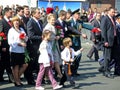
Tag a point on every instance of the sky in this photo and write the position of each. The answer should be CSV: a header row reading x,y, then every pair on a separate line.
x,y
72,5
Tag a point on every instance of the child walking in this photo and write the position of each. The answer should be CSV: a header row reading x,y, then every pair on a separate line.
x,y
67,56
46,62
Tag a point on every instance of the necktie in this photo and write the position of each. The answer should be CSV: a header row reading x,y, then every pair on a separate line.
x,y
39,25
114,26
61,23
9,22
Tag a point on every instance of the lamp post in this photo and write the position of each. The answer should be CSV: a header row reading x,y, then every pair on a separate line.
x,y
36,3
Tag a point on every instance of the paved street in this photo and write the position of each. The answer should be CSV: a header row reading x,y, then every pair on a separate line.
x,y
89,79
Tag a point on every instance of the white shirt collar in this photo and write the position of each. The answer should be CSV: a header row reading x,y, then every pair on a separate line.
x,y
19,16
60,20
6,18
35,19
109,16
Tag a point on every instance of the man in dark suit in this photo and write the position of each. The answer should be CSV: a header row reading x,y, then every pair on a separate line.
x,y
5,25
96,38
34,30
20,14
61,23
109,39
26,16
117,57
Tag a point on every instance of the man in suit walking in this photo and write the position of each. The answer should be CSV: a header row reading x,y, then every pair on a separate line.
x,y
5,25
117,57
109,39
34,31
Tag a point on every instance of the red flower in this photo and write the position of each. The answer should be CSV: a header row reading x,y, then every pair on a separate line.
x,y
3,36
60,31
95,30
22,36
58,27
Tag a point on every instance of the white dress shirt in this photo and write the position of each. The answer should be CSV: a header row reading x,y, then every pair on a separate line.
x,y
66,56
13,40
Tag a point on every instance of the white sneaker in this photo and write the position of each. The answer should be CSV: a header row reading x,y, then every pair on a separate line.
x,y
39,88
58,87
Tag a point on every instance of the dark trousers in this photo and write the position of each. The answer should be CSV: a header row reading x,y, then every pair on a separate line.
x,y
107,59
33,66
116,54
66,76
5,65
109,54
94,51
117,61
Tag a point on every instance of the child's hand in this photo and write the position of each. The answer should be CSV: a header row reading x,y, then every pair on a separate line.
x,y
81,49
84,36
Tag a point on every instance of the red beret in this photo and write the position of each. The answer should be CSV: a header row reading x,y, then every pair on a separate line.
x,y
49,10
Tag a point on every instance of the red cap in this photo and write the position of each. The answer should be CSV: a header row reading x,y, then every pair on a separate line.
x,y
49,10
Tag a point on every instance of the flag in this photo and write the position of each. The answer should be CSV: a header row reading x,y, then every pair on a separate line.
x,y
64,7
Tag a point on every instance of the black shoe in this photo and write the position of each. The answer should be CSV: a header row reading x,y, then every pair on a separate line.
x,y
47,82
76,74
31,83
43,82
96,59
108,75
72,83
89,57
116,74
62,85
20,85
100,69
2,80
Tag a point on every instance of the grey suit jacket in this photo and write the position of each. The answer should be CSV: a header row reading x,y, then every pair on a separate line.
x,y
107,30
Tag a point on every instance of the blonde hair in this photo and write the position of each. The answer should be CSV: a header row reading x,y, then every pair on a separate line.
x,y
49,16
15,18
46,33
66,41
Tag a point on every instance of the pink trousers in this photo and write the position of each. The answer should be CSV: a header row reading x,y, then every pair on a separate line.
x,y
47,71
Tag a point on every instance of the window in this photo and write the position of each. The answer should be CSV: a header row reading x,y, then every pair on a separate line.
x,y
99,3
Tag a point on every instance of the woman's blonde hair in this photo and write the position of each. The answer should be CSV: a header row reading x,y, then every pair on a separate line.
x,y
66,41
49,16
15,18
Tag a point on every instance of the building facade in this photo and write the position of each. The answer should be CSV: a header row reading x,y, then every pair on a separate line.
x,y
101,4
117,5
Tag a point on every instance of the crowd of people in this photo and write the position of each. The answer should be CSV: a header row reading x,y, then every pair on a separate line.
x,y
38,41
